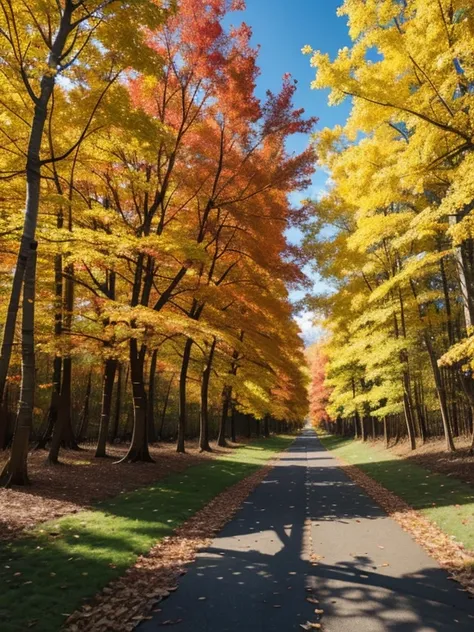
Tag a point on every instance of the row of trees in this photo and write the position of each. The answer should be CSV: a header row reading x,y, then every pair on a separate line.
x,y
156,188
393,237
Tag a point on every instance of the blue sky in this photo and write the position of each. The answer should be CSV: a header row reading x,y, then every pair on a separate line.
x,y
282,28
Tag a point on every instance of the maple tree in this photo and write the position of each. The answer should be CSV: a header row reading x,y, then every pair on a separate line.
x,y
157,198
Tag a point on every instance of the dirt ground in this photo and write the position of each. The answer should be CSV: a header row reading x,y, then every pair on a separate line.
x,y
433,456
81,480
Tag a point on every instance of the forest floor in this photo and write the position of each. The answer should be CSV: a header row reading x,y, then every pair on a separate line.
x,y
433,456
82,480
56,567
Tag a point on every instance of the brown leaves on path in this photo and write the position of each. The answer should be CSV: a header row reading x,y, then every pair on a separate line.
x,y
447,552
134,596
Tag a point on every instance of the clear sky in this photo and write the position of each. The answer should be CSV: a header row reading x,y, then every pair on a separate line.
x,y
282,28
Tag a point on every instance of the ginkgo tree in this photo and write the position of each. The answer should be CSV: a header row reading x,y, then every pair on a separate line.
x,y
400,247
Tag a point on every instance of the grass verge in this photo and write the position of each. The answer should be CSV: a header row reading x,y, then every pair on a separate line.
x,y
54,567
445,501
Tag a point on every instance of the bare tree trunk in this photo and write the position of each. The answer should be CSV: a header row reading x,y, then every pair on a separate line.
x,y
204,413
385,432
408,410
165,406
441,394
53,406
68,439
226,395
464,277
266,430
420,415
58,327
110,367
84,420
363,434
138,450
4,420
16,470
232,423
151,398
471,449
118,405
180,447
397,429
63,433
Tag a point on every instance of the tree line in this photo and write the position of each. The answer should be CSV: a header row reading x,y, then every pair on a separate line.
x,y
144,202
392,237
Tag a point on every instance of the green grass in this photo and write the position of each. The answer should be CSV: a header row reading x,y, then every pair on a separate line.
x,y
49,572
445,501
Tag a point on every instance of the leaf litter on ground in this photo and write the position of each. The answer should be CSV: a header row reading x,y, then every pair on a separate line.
x,y
154,576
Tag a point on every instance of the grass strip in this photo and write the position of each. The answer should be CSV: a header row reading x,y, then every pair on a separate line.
x,y
445,501
47,573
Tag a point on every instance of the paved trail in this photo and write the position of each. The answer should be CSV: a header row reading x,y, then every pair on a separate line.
x,y
254,576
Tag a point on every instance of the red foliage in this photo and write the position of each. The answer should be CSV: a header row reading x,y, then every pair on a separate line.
x,y
319,392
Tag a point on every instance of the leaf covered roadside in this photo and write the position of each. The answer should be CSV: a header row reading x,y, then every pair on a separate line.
x,y
450,554
82,481
154,576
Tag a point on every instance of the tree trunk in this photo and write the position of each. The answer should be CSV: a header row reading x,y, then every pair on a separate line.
x,y
58,327
356,425
471,449
233,438
4,420
53,406
385,432
180,446
12,312
420,415
16,470
63,433
397,429
204,413
84,420
266,430
465,281
151,398
138,450
226,395
165,407
110,367
33,180
362,428
408,410
118,405
441,394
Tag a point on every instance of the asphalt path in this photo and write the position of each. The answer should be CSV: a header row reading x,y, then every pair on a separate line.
x,y
309,531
